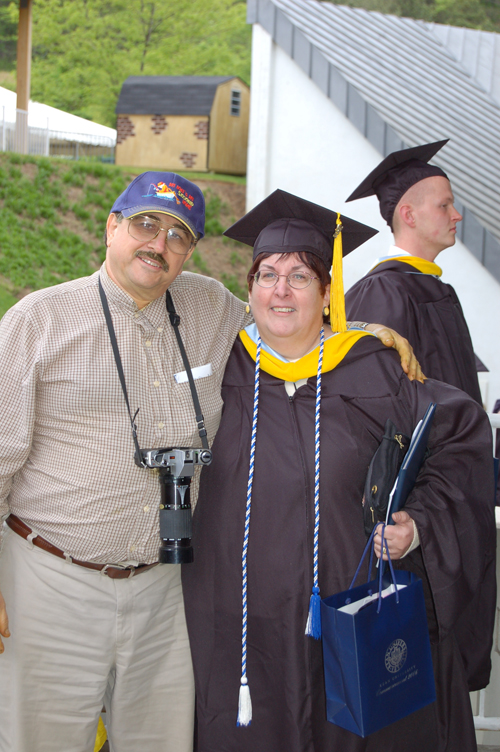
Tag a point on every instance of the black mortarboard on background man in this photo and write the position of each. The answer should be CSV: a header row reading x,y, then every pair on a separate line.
x,y
284,223
396,174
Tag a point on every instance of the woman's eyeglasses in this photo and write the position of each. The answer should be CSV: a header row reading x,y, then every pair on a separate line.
x,y
297,280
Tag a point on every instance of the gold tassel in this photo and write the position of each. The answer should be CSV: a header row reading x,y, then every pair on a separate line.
x,y
337,301
101,736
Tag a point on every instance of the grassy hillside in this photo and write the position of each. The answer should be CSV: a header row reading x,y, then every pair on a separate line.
x,y
53,214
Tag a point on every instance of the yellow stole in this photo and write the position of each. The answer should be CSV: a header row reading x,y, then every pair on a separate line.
x,y
426,267
335,350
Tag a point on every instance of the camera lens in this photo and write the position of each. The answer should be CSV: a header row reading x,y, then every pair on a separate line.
x,y
175,521
176,551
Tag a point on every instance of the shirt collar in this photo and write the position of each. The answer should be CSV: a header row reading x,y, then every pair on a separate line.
x,y
155,312
253,333
394,250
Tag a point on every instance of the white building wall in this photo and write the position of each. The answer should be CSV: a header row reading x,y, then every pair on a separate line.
x,y
299,141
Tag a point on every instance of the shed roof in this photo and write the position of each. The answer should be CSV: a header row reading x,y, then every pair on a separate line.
x,y
169,95
401,85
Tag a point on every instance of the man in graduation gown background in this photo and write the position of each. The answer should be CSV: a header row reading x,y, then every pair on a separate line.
x,y
404,290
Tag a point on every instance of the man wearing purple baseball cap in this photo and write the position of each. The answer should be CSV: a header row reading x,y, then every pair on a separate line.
x,y
120,366
93,617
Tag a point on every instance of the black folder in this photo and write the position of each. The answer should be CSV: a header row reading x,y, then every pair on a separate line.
x,y
411,464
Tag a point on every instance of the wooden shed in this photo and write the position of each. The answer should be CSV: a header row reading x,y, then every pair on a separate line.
x,y
197,123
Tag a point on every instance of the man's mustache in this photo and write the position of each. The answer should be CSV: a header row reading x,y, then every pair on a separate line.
x,y
154,257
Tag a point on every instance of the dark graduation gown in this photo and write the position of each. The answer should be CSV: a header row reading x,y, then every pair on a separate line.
x,y
452,505
424,310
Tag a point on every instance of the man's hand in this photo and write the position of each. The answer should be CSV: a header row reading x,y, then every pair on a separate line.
x,y
4,622
397,538
390,338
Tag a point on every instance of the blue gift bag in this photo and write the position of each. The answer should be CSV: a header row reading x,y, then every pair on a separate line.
x,y
376,652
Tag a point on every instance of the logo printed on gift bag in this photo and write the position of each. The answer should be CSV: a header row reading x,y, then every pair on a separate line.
x,y
395,656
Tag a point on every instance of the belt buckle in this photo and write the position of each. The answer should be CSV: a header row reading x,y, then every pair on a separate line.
x,y
104,570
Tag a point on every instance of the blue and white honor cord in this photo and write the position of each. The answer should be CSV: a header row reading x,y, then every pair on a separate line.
x,y
313,625
314,619
245,701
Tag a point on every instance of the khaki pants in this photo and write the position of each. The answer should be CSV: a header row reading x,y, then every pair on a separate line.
x,y
79,639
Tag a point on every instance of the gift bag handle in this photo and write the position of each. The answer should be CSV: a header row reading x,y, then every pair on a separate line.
x,y
370,545
381,571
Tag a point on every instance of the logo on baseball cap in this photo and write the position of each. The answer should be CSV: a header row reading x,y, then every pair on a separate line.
x,y
164,193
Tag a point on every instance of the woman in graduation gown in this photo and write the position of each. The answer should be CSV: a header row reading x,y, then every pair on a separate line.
x,y
446,534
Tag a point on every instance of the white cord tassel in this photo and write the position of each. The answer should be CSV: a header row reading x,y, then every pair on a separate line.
x,y
244,704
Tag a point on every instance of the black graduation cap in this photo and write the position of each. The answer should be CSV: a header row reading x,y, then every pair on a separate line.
x,y
396,174
284,223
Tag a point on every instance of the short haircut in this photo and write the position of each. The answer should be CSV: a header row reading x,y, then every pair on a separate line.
x,y
119,216
415,195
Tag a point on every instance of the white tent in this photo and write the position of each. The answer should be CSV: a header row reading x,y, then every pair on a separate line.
x,y
67,126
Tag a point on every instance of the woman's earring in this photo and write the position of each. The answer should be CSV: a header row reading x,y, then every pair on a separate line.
x,y
247,308
326,311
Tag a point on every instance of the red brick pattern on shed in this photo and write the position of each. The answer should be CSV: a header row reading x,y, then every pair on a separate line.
x,y
201,130
124,128
188,159
159,123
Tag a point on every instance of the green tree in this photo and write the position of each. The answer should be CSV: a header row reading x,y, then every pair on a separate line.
x,y
471,13
8,34
83,50
475,14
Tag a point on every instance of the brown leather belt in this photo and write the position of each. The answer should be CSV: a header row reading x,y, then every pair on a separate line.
x,y
116,573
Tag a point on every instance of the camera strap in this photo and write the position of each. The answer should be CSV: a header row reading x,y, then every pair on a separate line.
x,y
175,321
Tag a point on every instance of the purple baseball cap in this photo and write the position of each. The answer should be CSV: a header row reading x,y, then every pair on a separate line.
x,y
164,193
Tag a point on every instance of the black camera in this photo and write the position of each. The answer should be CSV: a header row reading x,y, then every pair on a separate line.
x,y
176,469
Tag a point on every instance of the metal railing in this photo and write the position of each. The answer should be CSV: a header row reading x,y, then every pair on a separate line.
x,y
483,722
495,421
24,139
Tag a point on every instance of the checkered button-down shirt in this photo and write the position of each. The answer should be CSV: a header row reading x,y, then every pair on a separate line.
x,y
66,448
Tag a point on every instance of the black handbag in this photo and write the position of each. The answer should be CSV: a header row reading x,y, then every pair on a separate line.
x,y
382,473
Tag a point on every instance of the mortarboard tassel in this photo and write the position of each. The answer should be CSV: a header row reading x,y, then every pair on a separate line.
x,y
337,301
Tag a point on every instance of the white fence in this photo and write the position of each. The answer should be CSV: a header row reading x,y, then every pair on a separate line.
x,y
25,139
